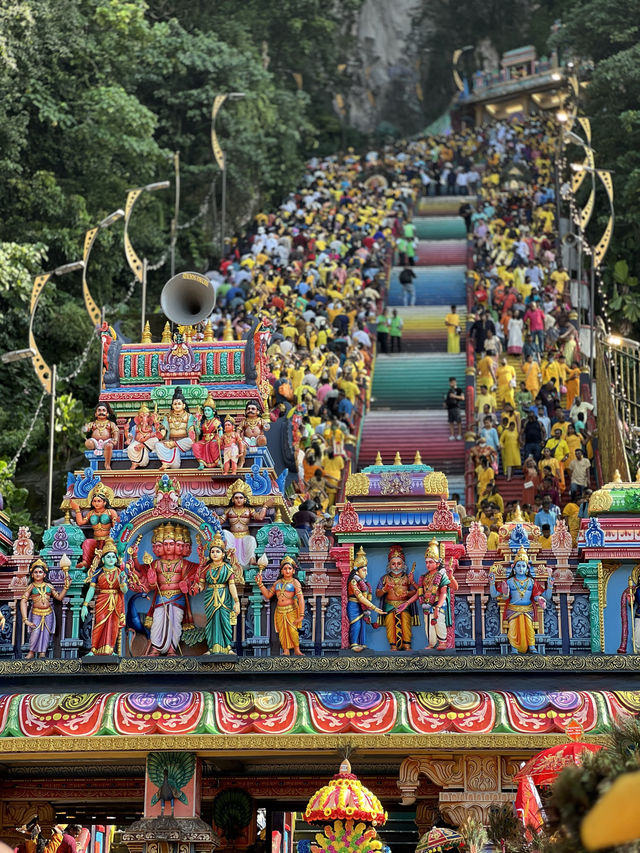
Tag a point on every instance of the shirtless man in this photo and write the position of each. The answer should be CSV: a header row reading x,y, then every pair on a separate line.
x,y
102,433
251,430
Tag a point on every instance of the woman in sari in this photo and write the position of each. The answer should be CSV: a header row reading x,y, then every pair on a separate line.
x,y
221,602
41,620
290,605
108,585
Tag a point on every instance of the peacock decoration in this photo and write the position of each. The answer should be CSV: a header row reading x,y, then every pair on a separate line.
x,y
232,812
170,772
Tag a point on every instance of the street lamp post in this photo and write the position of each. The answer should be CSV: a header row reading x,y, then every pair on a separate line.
x,y
138,266
46,375
176,212
221,158
93,311
605,177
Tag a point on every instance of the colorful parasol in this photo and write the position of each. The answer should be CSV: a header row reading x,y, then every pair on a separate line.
x,y
345,798
439,839
544,767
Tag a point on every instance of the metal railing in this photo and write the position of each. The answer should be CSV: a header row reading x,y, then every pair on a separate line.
x,y
618,394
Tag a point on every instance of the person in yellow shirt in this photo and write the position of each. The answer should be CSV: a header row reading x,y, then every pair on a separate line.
x,y
560,451
487,371
573,442
506,377
544,540
570,512
493,538
572,383
485,475
551,370
452,323
485,398
560,277
531,370
332,466
350,389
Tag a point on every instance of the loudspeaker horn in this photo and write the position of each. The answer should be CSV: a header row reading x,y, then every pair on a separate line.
x,y
188,298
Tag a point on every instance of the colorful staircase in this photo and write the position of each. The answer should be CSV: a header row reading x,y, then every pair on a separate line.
x,y
407,412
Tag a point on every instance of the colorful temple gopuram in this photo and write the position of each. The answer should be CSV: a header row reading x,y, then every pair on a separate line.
x,y
268,568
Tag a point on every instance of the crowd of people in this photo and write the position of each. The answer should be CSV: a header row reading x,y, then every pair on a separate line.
x,y
317,267
530,418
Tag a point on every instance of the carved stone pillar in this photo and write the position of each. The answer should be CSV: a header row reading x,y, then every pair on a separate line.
x,y
343,556
470,784
590,573
483,779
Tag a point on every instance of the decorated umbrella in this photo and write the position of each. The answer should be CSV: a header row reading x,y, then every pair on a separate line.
x,y
439,839
351,812
544,767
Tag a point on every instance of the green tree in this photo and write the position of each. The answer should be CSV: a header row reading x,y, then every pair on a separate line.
x,y
604,31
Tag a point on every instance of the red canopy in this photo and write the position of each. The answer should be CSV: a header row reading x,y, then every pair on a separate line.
x,y
546,765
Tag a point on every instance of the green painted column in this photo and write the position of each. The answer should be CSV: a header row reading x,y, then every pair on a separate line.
x,y
589,573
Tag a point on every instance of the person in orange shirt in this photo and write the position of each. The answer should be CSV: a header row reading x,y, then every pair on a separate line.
x,y
573,383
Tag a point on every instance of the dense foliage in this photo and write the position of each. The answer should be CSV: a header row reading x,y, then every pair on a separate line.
x,y
607,32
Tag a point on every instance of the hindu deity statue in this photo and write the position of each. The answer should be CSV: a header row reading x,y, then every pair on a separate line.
x,y
251,431
359,604
207,449
101,516
630,613
434,594
179,429
41,620
395,588
107,588
221,602
142,438
289,610
523,597
238,516
232,446
170,577
102,433
180,358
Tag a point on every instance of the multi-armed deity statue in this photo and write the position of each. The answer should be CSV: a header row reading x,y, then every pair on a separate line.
x,y
179,429
170,577
522,597
434,594
397,588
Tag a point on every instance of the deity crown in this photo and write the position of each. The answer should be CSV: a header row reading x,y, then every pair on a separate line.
x,y
218,542
432,552
360,560
109,547
521,555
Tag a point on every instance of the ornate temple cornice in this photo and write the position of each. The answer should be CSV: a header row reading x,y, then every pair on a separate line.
x,y
329,667
216,744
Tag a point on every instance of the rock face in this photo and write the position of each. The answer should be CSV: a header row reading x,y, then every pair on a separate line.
x,y
384,66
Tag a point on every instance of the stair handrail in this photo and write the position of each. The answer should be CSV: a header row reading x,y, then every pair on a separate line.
x,y
618,363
